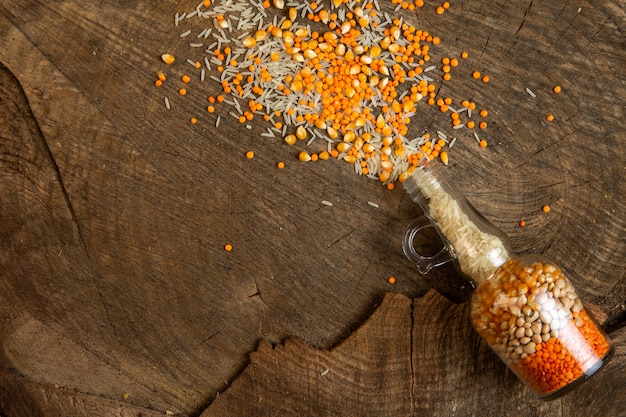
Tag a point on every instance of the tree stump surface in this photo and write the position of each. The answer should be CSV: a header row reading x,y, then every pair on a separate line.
x,y
411,357
118,298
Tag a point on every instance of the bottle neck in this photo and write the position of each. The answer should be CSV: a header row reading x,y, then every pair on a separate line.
x,y
480,248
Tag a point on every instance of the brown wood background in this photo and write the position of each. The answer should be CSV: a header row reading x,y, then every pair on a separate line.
x,y
117,298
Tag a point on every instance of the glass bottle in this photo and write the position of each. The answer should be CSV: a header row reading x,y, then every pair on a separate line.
x,y
523,306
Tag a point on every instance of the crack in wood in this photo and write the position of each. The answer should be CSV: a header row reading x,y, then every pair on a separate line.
x,y
343,237
530,4
412,356
206,339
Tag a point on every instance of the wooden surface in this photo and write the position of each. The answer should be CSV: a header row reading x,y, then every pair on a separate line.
x,y
411,357
117,297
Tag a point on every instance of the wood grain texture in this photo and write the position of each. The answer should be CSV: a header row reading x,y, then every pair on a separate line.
x,y
411,357
115,211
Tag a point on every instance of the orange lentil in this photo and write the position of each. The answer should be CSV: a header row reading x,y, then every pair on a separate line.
x,y
555,364
549,117
228,247
485,78
158,83
185,78
193,120
546,208
482,125
280,165
483,143
557,89
522,223
440,10
483,113
464,55
391,280
182,92
250,154
476,75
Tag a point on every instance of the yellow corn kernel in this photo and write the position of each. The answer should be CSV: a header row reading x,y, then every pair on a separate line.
x,y
260,35
290,139
387,130
301,132
320,123
349,137
368,148
444,157
324,16
343,147
168,58
249,42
